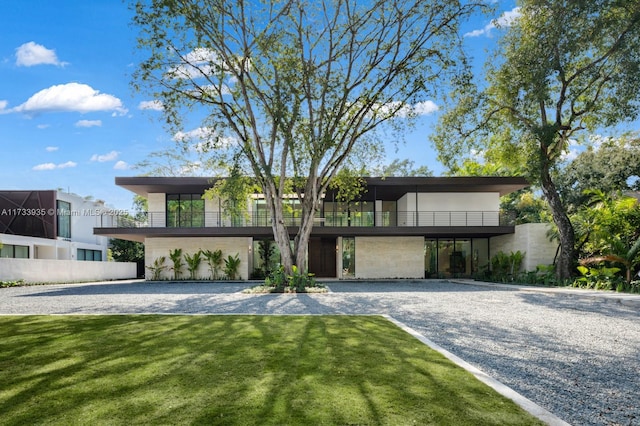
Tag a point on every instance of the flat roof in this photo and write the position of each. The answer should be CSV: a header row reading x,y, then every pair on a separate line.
x,y
390,188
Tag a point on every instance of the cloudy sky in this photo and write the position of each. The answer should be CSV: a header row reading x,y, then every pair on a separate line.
x,y
69,118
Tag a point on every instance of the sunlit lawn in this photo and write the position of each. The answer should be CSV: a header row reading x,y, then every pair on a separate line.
x,y
233,370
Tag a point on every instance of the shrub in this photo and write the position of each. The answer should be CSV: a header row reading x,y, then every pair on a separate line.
x,y
157,267
231,265
176,258
193,263
214,260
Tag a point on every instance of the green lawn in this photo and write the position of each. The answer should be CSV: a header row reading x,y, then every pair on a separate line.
x,y
233,370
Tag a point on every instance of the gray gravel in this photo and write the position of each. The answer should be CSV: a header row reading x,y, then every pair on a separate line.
x,y
576,356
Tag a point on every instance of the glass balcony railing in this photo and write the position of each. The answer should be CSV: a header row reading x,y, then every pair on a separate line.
x,y
329,219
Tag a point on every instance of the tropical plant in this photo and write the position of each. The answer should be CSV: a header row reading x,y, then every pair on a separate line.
x,y
506,266
214,260
267,252
176,257
157,267
193,263
298,281
231,265
599,278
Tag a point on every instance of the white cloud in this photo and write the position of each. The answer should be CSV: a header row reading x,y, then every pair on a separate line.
x,y
505,20
31,53
201,133
3,105
573,149
89,123
406,110
154,105
70,97
67,164
121,165
52,166
111,156
43,126
52,148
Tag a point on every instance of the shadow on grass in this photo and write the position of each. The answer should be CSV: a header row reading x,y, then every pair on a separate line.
x,y
233,370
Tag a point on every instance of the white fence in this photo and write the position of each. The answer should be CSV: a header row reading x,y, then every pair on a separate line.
x,y
50,271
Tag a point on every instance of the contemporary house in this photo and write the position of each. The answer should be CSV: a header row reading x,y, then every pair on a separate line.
x,y
44,233
400,227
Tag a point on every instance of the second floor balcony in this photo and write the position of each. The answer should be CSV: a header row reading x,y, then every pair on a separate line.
x,y
328,219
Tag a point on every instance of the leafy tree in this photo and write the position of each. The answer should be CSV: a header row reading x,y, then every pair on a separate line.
x,y
562,67
608,164
294,89
126,251
401,168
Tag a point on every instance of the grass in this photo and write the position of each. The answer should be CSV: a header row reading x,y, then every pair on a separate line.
x,y
233,370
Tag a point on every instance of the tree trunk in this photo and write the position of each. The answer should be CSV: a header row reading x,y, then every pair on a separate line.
x,y
566,260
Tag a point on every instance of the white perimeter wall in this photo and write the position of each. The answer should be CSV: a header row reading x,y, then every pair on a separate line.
x,y
389,257
530,238
55,271
156,247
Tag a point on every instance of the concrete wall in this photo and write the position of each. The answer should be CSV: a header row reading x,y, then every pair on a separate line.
x,y
530,238
156,247
46,248
50,271
389,257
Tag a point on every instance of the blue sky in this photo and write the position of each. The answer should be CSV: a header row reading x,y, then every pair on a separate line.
x,y
69,118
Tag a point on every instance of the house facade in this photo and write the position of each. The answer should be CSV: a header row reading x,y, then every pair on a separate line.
x,y
44,233
408,227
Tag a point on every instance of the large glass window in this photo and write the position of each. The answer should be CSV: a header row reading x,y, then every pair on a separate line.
x,y
348,257
14,251
64,219
451,257
185,211
349,214
85,254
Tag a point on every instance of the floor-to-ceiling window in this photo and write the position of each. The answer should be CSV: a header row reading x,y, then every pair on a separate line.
x,y
451,257
348,257
185,211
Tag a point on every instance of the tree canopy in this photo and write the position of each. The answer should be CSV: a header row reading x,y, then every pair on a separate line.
x,y
561,68
295,89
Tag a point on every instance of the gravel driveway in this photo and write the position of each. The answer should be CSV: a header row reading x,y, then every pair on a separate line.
x,y
578,357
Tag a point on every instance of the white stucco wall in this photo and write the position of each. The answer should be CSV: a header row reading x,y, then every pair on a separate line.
x,y
156,203
449,209
529,238
156,247
60,249
57,271
389,257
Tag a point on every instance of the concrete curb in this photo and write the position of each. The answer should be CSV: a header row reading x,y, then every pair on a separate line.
x,y
528,405
621,298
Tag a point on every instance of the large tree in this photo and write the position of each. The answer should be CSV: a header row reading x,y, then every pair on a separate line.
x,y
289,89
562,67
608,164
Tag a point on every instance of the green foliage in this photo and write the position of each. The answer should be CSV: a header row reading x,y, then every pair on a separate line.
x,y
267,252
157,267
231,265
14,283
297,282
599,278
214,260
193,263
506,266
609,165
126,251
176,258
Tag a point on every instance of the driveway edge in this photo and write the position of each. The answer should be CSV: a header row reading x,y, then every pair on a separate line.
x,y
528,405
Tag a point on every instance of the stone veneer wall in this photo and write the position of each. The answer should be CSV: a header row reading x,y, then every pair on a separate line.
x,y
389,257
530,238
156,247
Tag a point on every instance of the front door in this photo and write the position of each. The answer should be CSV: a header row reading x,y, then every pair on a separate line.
x,y
322,257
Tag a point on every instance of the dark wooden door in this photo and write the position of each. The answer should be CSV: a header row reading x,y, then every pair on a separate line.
x,y
322,257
